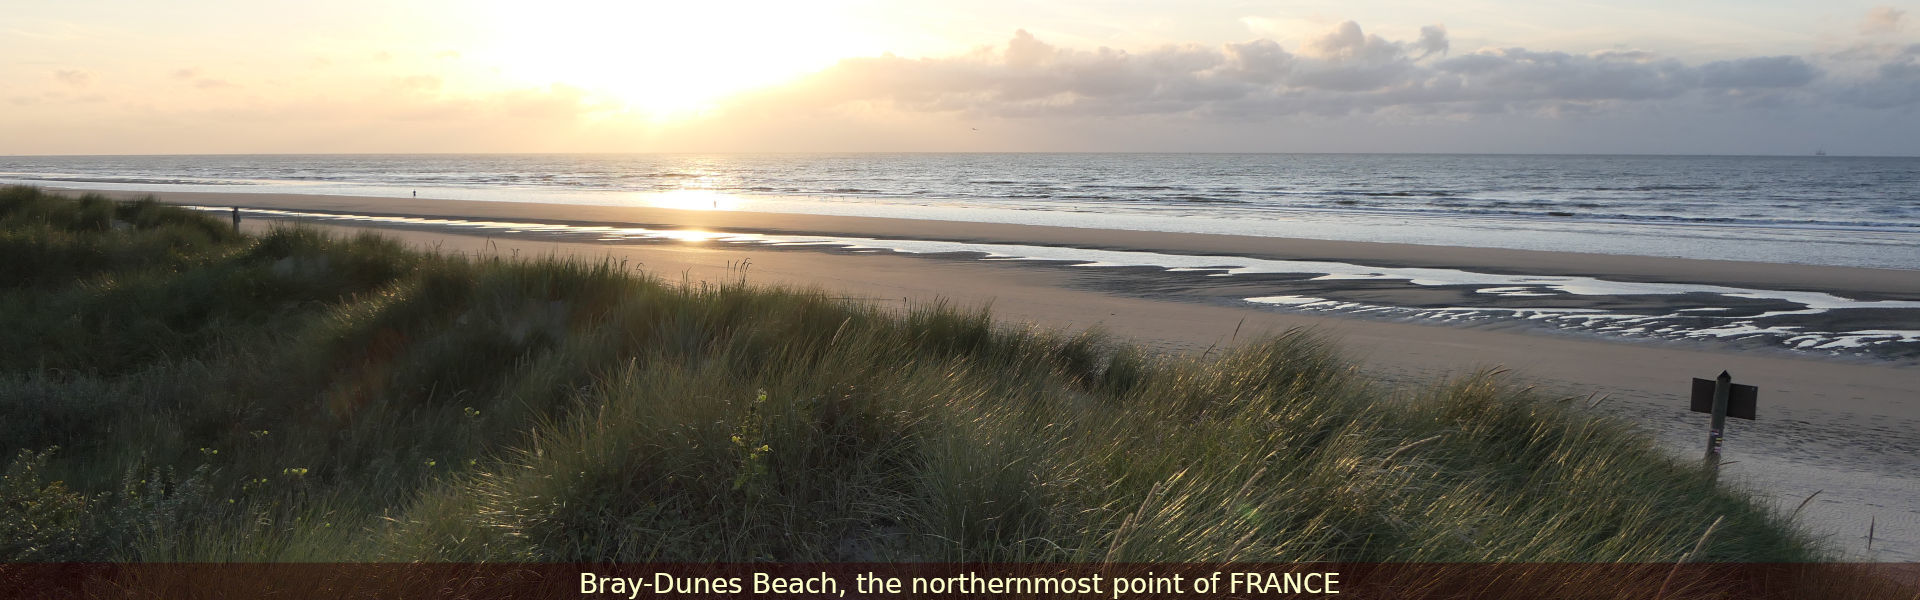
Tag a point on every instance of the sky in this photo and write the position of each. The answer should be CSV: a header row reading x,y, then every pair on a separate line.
x,y
1546,76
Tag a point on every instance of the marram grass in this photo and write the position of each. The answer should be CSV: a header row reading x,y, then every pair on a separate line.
x,y
173,391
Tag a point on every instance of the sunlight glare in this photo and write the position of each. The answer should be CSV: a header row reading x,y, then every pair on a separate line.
x,y
667,59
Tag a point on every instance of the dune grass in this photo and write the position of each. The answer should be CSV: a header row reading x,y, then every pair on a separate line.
x,y
173,391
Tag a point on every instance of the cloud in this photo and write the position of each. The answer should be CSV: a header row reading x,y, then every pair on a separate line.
x,y
1760,72
1894,84
419,83
1882,20
1344,71
555,103
1256,62
72,77
1433,40
1260,25
1347,43
195,76
1352,61
1518,74
1025,52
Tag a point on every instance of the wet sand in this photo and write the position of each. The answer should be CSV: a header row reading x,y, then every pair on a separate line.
x,y
1847,427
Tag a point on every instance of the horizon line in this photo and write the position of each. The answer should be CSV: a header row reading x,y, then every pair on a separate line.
x,y
933,152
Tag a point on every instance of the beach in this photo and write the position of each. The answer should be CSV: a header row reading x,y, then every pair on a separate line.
x,y
1839,425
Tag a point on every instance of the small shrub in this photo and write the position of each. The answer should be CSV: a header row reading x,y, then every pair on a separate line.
x,y
44,521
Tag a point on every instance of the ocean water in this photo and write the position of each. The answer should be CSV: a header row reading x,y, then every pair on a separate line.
x,y
1810,210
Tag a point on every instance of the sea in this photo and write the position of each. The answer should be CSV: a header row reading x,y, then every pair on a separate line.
x,y
1823,210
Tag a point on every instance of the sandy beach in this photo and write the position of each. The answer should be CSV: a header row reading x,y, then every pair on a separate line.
x,y
1843,427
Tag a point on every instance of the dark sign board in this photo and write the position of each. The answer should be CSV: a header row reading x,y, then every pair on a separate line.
x,y
1741,399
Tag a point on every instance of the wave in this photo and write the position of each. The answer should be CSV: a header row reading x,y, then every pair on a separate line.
x,y
139,180
1659,187
1498,209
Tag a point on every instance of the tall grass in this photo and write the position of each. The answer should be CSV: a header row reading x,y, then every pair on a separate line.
x,y
173,391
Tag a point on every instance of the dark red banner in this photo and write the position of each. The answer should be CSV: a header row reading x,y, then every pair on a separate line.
x,y
857,580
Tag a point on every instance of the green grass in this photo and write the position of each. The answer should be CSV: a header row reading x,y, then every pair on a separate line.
x,y
173,391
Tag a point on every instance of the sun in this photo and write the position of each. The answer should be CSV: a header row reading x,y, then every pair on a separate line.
x,y
666,60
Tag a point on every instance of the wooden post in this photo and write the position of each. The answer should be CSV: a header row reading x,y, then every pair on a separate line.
x,y
1717,431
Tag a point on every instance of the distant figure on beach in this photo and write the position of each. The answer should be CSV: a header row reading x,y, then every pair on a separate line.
x,y
416,193
236,218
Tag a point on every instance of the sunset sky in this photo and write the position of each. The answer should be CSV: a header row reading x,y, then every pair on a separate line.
x,y
113,77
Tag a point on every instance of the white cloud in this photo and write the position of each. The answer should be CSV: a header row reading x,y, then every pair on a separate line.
x,y
1347,43
1882,20
73,77
1345,71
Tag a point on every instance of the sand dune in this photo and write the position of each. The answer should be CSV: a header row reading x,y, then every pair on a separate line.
x,y
1843,426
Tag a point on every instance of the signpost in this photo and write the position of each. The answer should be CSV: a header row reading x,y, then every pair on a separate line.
x,y
1722,398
